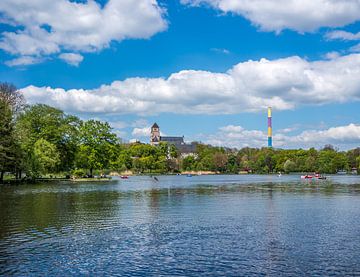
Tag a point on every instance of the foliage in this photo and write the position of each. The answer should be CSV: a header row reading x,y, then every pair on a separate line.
x,y
7,153
96,145
78,173
46,156
40,139
53,125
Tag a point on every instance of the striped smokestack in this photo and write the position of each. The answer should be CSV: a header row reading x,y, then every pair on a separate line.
x,y
269,128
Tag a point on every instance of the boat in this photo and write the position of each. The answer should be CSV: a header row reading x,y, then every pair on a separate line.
x,y
124,177
306,176
342,172
319,176
188,175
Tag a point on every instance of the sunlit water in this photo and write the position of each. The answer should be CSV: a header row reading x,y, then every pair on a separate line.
x,y
182,226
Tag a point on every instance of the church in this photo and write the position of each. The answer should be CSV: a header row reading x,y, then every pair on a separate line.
x,y
178,142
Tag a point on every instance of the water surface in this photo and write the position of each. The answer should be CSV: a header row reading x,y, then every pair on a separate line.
x,y
181,226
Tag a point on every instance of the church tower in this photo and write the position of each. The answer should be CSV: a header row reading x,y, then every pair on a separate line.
x,y
155,135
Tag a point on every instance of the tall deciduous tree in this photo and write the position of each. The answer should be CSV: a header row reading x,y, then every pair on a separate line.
x,y
54,126
46,155
6,138
11,103
10,95
96,145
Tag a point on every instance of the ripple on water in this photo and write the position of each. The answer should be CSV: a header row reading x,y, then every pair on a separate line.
x,y
161,229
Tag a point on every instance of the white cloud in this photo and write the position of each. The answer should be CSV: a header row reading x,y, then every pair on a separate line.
x,y
72,58
247,87
287,130
355,48
342,35
220,50
118,124
141,132
141,122
332,55
301,16
24,60
236,136
46,27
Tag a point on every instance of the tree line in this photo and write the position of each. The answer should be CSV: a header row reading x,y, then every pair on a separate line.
x,y
40,140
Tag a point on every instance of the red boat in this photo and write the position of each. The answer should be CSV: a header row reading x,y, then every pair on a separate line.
x,y
306,176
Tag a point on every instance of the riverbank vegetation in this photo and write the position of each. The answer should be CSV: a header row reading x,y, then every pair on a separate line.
x,y
40,140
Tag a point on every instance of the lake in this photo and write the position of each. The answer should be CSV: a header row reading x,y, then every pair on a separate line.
x,y
224,225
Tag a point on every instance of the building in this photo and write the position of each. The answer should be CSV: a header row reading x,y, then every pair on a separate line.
x,y
183,148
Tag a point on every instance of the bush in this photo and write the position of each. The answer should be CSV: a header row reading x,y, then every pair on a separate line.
x,y
78,173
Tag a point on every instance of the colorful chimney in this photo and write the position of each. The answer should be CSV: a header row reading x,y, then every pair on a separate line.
x,y
269,128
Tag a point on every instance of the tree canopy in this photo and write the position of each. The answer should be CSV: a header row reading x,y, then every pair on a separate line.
x,y
39,140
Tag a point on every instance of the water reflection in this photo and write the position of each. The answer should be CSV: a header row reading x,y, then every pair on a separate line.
x,y
219,226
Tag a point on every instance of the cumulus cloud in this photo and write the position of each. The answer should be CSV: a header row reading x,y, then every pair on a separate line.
x,y
247,87
71,58
141,132
287,130
345,137
345,36
332,55
277,15
342,35
46,27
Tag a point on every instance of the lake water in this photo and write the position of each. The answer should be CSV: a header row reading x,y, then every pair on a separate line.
x,y
182,226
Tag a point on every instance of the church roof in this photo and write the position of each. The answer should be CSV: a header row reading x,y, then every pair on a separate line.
x,y
155,126
172,139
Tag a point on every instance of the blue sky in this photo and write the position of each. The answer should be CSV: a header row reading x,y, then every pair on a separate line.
x,y
185,64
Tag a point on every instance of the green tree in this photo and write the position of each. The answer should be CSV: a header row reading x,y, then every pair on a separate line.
x,y
289,166
188,163
46,156
232,164
220,161
44,122
96,145
7,147
11,104
326,161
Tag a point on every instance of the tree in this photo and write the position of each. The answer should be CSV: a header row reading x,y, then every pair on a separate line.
x,y
11,96
358,164
46,156
96,145
188,163
11,103
122,162
220,161
232,164
326,161
54,126
289,166
7,148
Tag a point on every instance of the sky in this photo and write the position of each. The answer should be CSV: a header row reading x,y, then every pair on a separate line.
x,y
203,69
